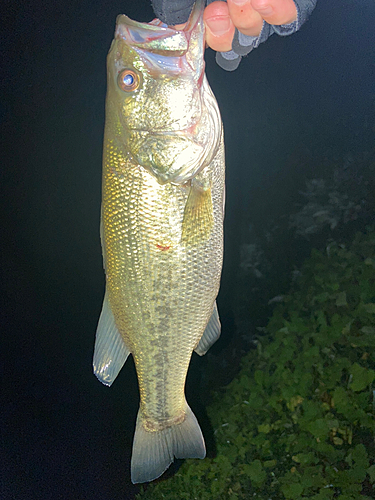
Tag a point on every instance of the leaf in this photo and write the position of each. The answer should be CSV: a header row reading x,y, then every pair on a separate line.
x,y
293,490
324,494
361,377
337,441
269,463
341,299
357,475
360,456
322,297
294,402
255,471
370,308
341,400
313,477
346,329
259,377
371,472
305,458
311,409
265,428
368,330
319,429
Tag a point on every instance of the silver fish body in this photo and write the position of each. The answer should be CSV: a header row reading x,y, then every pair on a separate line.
x,y
162,229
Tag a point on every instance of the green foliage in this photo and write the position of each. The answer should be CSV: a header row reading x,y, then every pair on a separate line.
x,y
298,420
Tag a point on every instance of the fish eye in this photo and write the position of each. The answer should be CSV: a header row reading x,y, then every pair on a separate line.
x,y
128,80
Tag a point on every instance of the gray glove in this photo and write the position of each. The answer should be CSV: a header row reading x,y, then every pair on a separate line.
x,y
177,12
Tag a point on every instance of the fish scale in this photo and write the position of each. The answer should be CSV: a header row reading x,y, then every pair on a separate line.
x,y
162,230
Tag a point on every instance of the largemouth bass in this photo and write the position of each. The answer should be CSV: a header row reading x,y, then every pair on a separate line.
x,y
162,229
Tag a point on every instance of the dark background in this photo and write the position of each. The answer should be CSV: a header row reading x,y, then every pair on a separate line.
x,y
63,434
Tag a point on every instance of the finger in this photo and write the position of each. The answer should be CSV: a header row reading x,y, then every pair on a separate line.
x,y
276,11
219,26
246,19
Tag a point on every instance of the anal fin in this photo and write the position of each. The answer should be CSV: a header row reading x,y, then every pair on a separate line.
x,y
211,333
110,351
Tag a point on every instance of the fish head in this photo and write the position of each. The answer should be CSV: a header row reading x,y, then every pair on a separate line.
x,y
161,110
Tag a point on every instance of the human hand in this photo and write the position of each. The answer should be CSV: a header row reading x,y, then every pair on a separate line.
x,y
221,19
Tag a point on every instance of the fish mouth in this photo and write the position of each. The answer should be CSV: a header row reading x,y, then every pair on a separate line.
x,y
155,40
140,33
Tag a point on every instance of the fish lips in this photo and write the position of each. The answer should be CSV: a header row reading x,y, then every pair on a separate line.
x,y
165,49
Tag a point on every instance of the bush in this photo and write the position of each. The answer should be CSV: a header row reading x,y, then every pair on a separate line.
x,y
298,420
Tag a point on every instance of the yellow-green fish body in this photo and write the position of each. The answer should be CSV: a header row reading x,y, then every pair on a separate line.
x,y
162,229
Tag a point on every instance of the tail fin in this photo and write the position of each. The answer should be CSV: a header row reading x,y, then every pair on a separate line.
x,y
153,452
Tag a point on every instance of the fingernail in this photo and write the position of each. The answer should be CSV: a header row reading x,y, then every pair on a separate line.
x,y
239,2
218,25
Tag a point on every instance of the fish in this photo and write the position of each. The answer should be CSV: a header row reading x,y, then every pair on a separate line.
x,y
161,230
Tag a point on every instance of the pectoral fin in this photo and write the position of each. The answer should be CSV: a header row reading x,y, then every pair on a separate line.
x,y
198,215
110,351
211,333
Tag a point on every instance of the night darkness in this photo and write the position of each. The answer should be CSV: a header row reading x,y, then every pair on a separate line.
x,y
292,102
